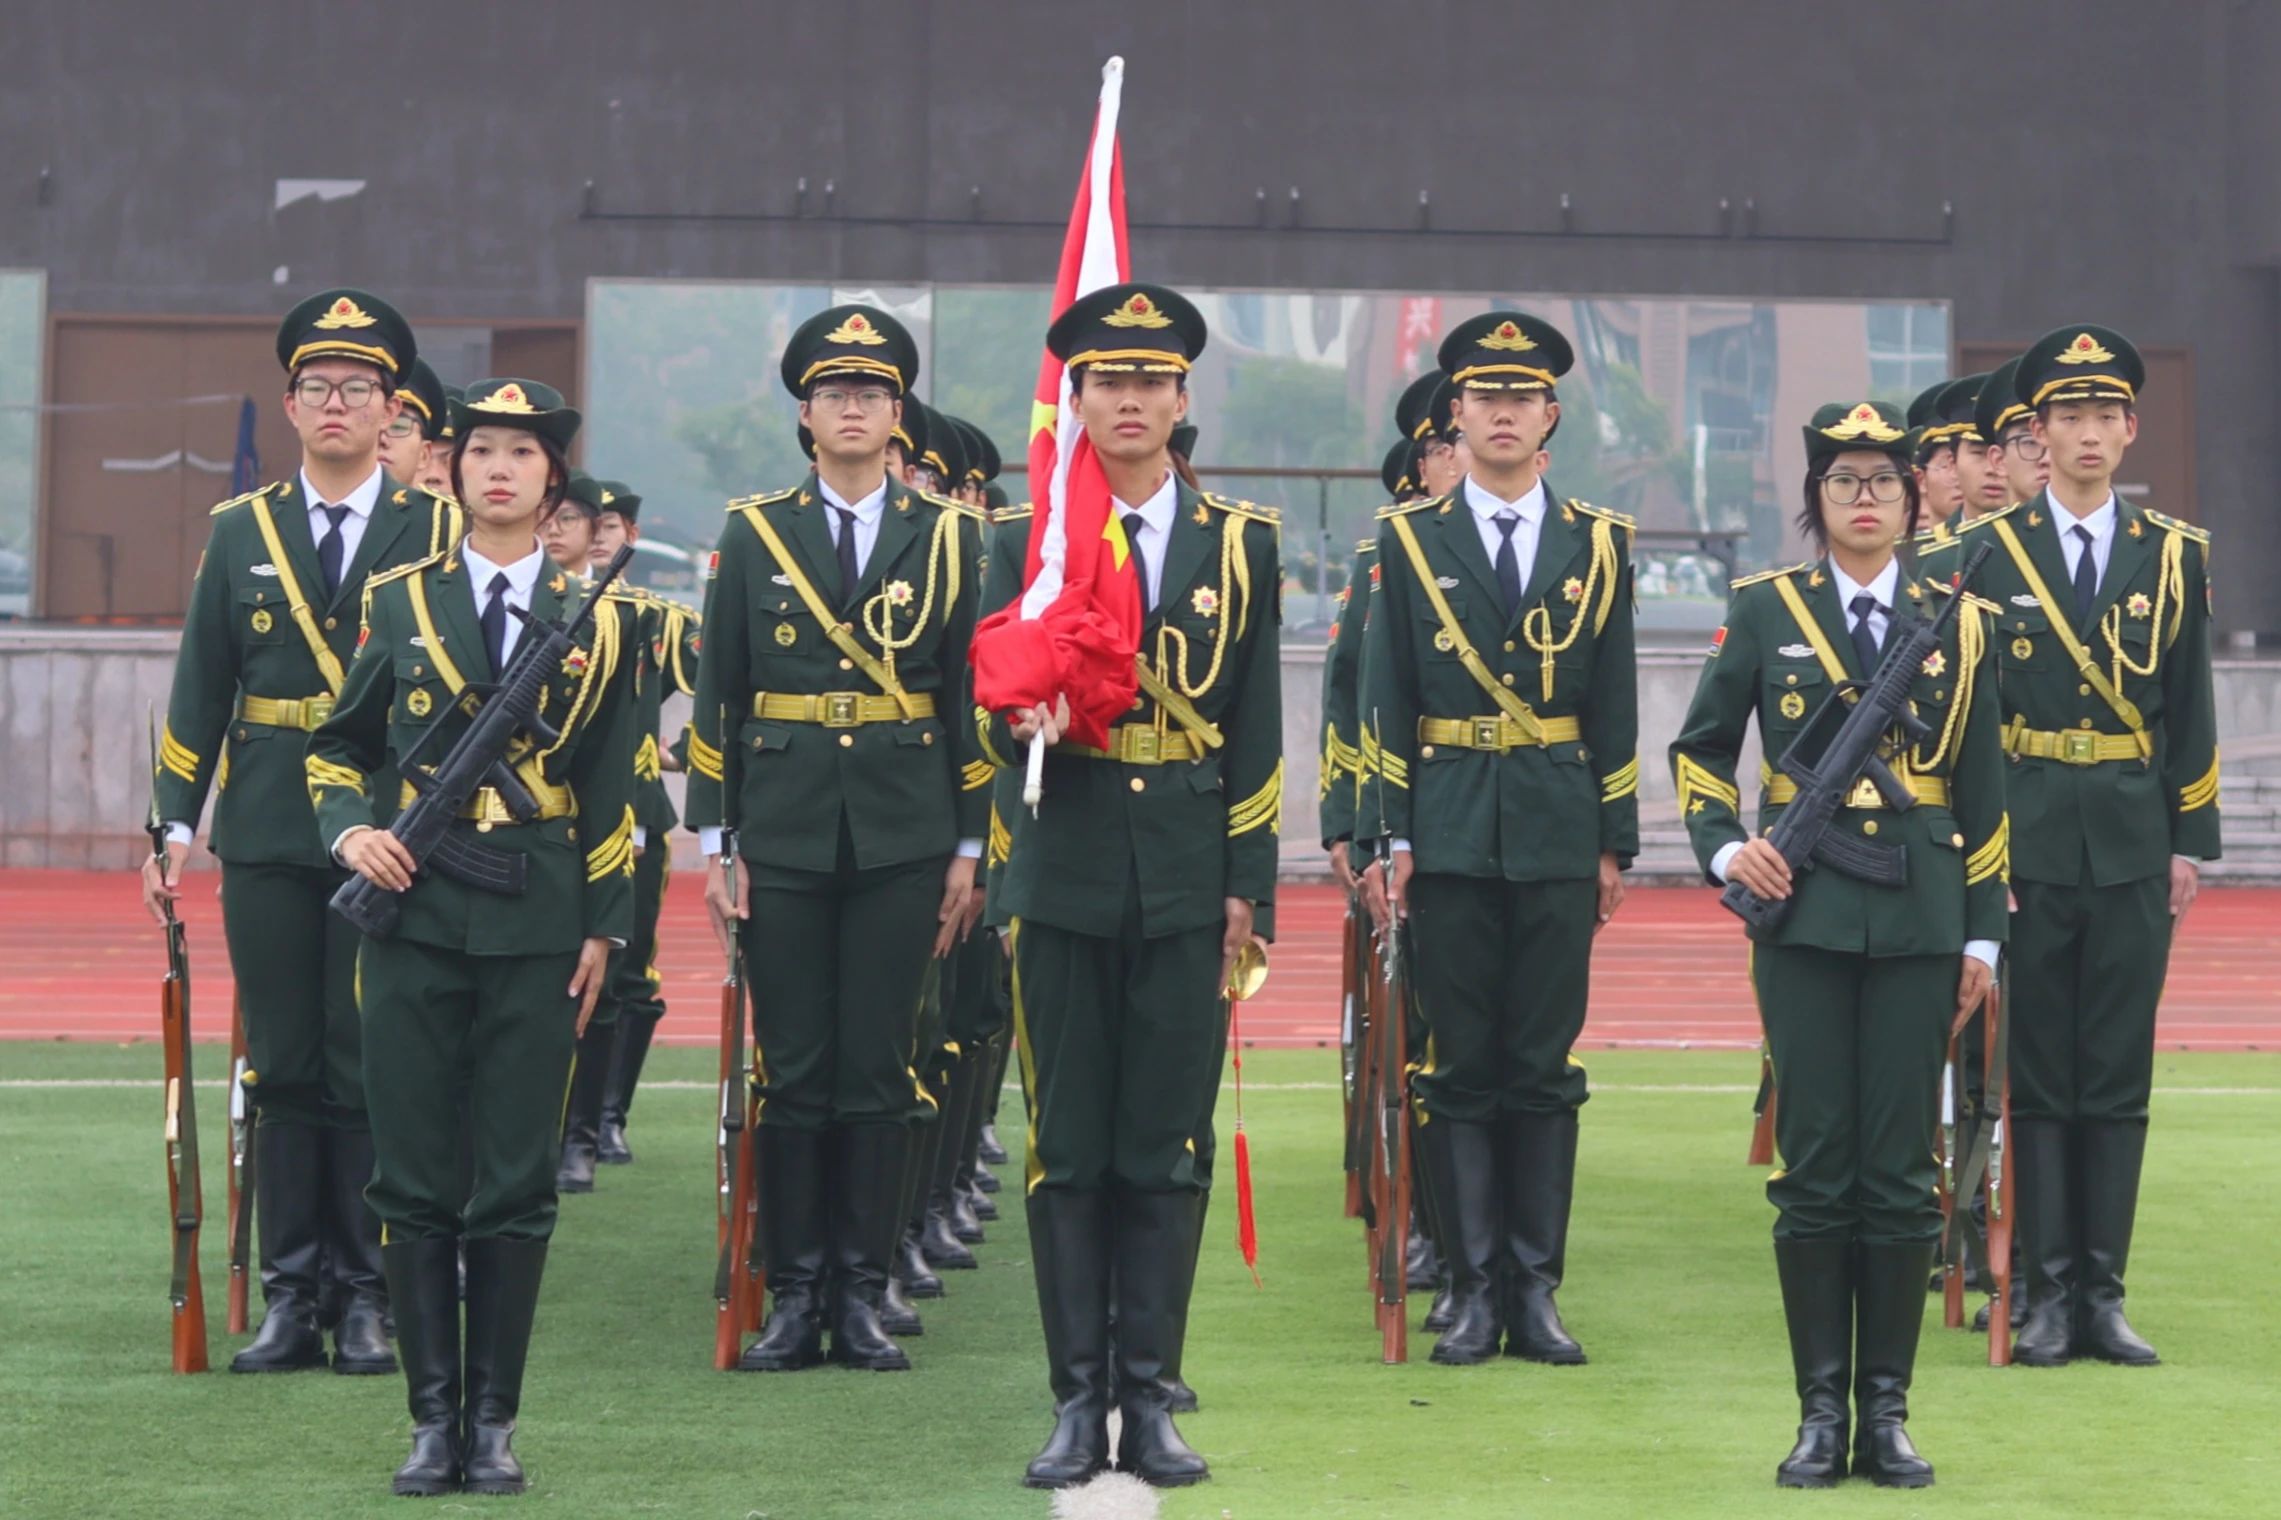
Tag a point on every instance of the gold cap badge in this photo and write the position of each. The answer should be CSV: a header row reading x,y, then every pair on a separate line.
x,y
1139,311
344,313
507,398
1507,338
1863,422
2084,350
856,329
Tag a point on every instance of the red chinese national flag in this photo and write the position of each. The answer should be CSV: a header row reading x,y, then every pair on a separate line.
x,y
1076,626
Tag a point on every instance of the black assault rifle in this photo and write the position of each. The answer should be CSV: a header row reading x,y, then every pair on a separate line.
x,y
1838,747
479,759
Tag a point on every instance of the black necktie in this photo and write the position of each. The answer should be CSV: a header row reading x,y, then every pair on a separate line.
x,y
846,549
2086,575
1508,562
1864,638
1133,522
495,624
331,548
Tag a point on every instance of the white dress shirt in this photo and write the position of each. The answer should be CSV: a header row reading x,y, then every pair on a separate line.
x,y
867,514
2100,525
1155,535
522,580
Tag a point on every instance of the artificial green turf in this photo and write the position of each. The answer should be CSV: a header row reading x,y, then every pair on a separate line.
x,y
1684,1410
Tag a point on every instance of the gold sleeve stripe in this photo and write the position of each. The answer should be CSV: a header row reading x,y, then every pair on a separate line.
x,y
648,764
975,775
982,733
1696,780
1993,858
324,773
1622,783
614,855
2203,793
1263,807
705,760
1377,760
173,756
1001,839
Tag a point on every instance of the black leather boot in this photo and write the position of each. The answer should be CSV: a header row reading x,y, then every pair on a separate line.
x,y
1422,1196
1178,1396
2049,1236
1817,1304
290,1206
627,1055
1421,1265
1069,1251
938,1233
896,1315
992,1150
911,1270
1462,1159
1536,1171
792,1245
1155,1234
945,1196
971,1171
1888,1313
423,1286
582,1116
352,1244
997,1056
502,1301
865,1183
2108,1159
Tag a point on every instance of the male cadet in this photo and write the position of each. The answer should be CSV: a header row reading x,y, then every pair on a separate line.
x,y
670,645
1938,488
407,443
2104,644
1149,866
569,534
1342,668
2008,423
836,628
271,626
1502,721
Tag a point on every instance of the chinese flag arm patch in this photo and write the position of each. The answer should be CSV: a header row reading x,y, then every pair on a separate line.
x,y
1718,639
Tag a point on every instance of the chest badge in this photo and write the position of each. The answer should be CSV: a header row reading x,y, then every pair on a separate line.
x,y
2022,649
574,663
2138,606
262,621
1796,651
1935,663
262,569
418,703
1446,582
1442,640
1572,590
898,593
1206,601
786,635
1793,706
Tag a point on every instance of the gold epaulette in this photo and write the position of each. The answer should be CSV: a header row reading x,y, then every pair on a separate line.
x,y
1767,575
763,499
1021,513
1932,537
1402,508
1623,520
239,501
1984,519
381,578
1367,546
1250,509
2182,529
1982,604
953,504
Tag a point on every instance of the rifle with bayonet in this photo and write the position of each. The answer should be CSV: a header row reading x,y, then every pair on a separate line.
x,y
732,1169
242,1079
1389,1116
510,713
1844,743
185,1199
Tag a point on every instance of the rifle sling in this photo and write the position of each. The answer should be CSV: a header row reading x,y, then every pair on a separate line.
x,y
842,636
1468,656
2122,706
328,663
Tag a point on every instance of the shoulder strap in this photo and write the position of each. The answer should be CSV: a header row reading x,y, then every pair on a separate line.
x,y
1509,704
328,663
417,590
1832,666
1182,710
838,632
2123,707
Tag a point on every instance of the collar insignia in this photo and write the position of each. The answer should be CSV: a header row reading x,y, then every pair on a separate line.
x,y
1816,578
1138,311
2084,350
1203,516
856,329
344,313
1507,338
401,497
559,584
1916,592
2035,519
2135,530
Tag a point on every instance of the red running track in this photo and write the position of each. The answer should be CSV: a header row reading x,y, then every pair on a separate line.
x,y
84,963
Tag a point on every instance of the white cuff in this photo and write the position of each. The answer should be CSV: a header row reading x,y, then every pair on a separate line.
x,y
180,833
1984,951
641,837
1401,846
970,849
709,841
342,835
1726,853
2193,860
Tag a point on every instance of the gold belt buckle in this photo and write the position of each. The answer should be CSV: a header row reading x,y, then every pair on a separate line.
x,y
315,711
838,709
2079,746
1142,745
1489,733
1864,795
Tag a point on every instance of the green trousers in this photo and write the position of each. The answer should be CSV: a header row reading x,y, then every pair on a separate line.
x,y
634,981
2087,966
500,1029
1858,1043
295,964
974,1001
1501,971
1121,1042
839,965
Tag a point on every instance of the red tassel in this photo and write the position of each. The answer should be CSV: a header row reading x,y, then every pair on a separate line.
x,y
1247,1223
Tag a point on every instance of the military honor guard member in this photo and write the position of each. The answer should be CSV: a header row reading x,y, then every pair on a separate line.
x,y
1148,868
479,992
833,666
408,443
2008,423
1500,730
2103,643
1858,986
1934,449
271,627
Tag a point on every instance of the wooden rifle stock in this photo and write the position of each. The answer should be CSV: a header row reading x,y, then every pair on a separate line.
x,y
241,1170
1389,1157
731,1173
1354,955
1997,1046
184,1197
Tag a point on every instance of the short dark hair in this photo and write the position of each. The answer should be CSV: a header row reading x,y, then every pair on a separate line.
x,y
1810,520
2130,408
558,472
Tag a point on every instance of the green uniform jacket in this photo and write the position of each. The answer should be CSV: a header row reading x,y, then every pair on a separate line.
x,y
1764,662
1529,814
2149,636
241,639
421,648
784,786
1342,673
665,653
1191,833
1004,566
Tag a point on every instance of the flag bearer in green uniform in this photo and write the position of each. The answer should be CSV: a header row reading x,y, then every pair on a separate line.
x,y
836,632
477,992
1148,867
1499,740
269,633
1859,985
2110,721
666,661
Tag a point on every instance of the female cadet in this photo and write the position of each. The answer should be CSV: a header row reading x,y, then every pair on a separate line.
x,y
476,991
1858,985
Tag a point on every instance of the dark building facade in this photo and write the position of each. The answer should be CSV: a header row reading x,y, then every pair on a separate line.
x,y
2031,163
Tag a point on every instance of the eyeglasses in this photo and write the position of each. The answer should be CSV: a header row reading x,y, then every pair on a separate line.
x,y
401,428
832,398
2022,444
1844,489
1438,450
315,391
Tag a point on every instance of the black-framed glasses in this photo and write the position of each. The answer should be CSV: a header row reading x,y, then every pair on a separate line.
x,y
838,399
356,392
401,428
1844,488
2025,445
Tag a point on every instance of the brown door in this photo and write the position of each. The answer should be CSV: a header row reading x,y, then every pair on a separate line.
x,y
2158,471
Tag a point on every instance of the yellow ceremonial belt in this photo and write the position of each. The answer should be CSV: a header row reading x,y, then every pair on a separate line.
x,y
1531,727
304,713
2142,742
1932,790
2069,746
328,663
1497,732
841,709
841,634
1140,744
